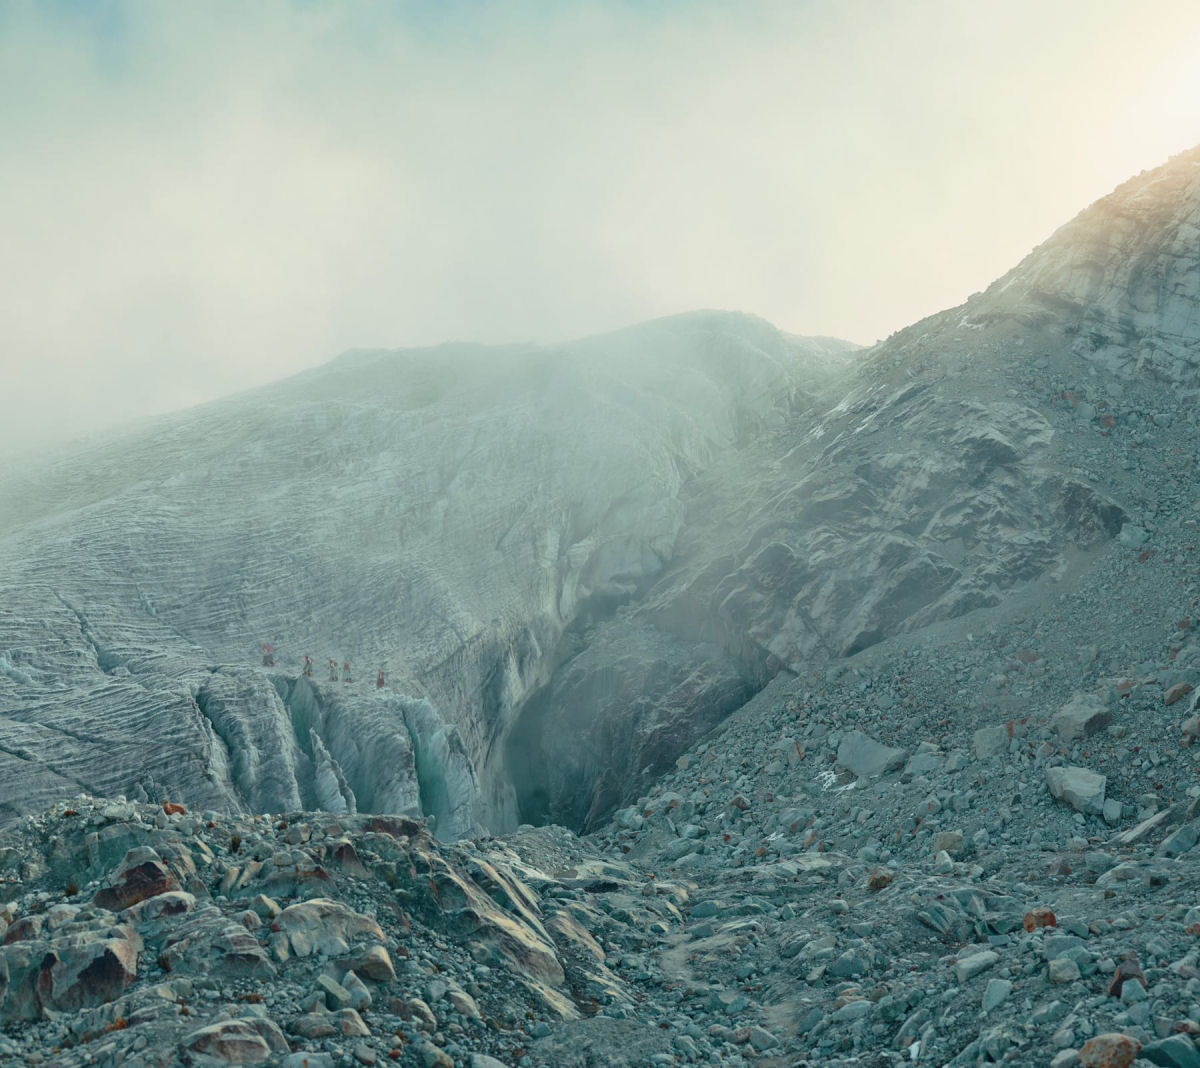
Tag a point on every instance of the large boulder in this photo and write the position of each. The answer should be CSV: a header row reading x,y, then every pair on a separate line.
x,y
79,970
91,971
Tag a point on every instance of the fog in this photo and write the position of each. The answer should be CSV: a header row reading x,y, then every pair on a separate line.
x,y
196,199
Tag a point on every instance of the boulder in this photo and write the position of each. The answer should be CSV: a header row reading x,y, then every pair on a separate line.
x,y
234,1041
373,964
91,971
864,756
75,971
1109,1050
1177,1051
141,875
324,926
991,741
1078,787
1084,714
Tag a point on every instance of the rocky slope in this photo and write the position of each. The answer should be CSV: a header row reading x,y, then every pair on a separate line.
x,y
990,446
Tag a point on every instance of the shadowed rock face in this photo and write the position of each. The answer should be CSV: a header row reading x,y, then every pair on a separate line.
x,y
570,563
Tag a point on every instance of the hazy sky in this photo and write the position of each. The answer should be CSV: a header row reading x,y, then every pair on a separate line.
x,y
200,197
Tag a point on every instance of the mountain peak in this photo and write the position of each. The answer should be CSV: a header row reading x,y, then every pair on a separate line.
x,y
1121,277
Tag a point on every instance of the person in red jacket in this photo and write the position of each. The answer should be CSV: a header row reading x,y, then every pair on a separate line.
x,y
345,671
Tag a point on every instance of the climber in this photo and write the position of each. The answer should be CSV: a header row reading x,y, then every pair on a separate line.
x,y
345,671
307,672
332,670
379,680
268,652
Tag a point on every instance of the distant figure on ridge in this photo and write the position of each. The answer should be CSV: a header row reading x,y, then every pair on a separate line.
x,y
332,670
307,672
268,652
379,680
345,671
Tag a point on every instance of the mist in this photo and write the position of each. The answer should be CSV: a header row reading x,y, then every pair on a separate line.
x,y
200,199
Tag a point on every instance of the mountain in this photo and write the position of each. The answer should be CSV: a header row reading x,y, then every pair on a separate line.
x,y
570,563
449,516
873,676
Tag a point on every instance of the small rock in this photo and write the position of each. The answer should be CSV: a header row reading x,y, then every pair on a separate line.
x,y
969,967
1177,1051
1040,916
762,1039
306,1059
879,877
854,1010
351,1024
463,1004
1084,715
431,1056
1132,990
336,995
947,842
313,1025
1180,840
1173,693
1063,970
374,964
1129,968
1109,1050
417,1010
995,993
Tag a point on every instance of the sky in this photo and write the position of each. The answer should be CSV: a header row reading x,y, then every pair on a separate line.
x,y
197,198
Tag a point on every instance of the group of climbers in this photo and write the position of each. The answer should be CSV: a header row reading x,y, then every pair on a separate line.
x,y
268,659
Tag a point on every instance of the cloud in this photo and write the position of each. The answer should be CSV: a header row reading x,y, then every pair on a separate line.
x,y
199,198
